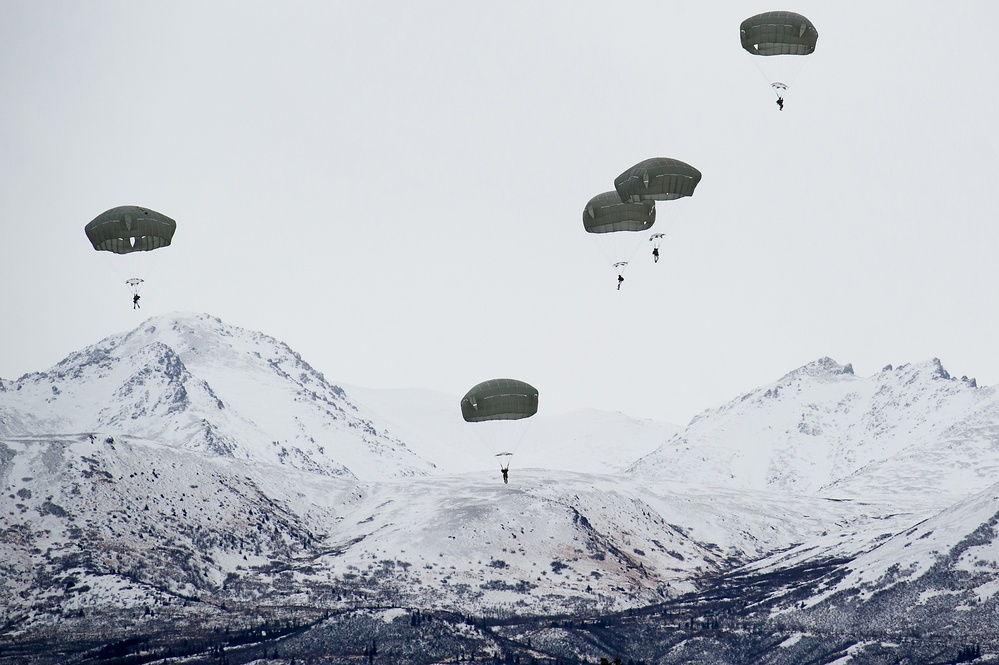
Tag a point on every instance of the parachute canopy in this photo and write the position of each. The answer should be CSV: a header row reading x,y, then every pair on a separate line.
x,y
499,399
659,178
605,213
129,229
778,33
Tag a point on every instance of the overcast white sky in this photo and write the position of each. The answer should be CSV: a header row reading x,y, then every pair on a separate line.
x,y
395,189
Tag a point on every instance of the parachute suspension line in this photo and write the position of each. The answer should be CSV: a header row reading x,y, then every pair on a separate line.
x,y
150,265
669,212
519,437
759,68
778,86
133,269
624,264
618,248
118,268
501,439
780,71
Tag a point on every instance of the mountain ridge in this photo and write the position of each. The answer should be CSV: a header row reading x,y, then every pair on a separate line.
x,y
821,424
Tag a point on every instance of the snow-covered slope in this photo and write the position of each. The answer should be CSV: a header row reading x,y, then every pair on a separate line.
x,y
822,429
922,594
112,524
195,382
960,543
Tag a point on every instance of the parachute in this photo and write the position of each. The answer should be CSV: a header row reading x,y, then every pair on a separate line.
x,y
128,230
499,399
605,213
657,179
779,37
615,226
500,409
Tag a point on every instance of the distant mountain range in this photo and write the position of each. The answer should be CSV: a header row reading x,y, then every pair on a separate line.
x,y
189,477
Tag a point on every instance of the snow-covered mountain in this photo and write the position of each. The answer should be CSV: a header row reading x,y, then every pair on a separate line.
x,y
821,429
190,472
195,382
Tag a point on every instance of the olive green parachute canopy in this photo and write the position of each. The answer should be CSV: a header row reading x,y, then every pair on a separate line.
x,y
499,399
129,229
659,179
605,213
778,33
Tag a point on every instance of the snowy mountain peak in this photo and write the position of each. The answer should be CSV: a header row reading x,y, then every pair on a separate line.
x,y
940,372
823,370
824,367
192,381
